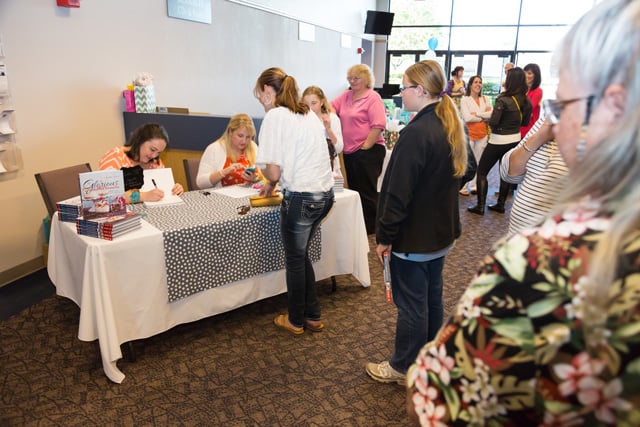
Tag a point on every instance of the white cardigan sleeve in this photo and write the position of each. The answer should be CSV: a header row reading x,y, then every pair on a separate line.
x,y
467,106
212,160
484,103
336,127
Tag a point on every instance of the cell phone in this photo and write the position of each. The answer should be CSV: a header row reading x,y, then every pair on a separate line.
x,y
250,169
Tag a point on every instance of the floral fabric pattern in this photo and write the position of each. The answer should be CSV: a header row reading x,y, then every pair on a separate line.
x,y
513,352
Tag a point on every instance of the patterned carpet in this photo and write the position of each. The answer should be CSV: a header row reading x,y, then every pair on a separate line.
x,y
234,369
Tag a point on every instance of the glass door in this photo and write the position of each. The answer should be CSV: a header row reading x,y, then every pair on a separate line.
x,y
492,72
489,65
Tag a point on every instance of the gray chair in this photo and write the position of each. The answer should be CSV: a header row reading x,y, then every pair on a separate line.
x,y
191,172
60,184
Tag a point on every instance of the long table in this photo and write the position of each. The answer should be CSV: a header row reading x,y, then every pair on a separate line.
x,y
121,285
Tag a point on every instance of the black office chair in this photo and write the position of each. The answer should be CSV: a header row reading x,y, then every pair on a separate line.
x,y
191,171
60,184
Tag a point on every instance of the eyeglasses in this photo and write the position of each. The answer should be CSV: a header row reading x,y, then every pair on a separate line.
x,y
553,107
403,88
351,79
242,210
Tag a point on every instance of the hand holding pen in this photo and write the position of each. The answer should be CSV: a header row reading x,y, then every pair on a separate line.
x,y
154,195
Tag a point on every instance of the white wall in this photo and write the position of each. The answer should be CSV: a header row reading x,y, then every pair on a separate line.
x,y
67,68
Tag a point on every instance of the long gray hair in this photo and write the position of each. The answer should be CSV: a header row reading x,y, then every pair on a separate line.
x,y
603,48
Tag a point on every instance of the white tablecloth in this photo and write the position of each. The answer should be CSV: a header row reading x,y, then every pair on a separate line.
x,y
121,289
385,163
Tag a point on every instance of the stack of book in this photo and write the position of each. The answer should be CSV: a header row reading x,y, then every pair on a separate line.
x,y
103,209
338,183
109,227
69,209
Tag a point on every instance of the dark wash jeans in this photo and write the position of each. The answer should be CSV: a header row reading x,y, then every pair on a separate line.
x,y
417,292
300,217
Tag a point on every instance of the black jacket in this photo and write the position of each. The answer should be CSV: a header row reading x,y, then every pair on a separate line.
x,y
418,202
505,118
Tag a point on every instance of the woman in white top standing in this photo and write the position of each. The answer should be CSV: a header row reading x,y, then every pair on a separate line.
x,y
315,99
293,150
476,110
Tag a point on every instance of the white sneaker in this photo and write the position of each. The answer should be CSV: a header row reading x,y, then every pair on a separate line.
x,y
384,373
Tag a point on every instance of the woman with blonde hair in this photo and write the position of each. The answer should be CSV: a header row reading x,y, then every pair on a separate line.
x,y
293,151
363,119
418,218
226,161
548,333
314,97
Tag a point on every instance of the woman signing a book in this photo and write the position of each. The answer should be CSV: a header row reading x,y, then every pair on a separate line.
x,y
143,149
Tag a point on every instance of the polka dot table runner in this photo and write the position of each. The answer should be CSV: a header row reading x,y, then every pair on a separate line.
x,y
208,244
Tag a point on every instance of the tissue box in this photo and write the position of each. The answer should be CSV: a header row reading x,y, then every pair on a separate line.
x,y
145,99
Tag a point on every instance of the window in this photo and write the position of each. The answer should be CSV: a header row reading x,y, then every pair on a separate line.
x,y
486,12
427,12
519,31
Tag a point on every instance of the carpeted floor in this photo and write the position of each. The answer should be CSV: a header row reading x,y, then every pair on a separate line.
x,y
234,369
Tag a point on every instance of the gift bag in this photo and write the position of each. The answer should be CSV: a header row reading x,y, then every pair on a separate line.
x,y
145,99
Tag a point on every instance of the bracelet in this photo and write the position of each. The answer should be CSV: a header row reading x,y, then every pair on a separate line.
x,y
135,196
527,149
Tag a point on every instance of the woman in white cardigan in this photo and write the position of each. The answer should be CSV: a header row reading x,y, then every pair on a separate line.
x,y
476,110
230,159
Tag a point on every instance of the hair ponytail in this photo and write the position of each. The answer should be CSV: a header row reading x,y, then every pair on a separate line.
x,y
430,76
447,111
289,97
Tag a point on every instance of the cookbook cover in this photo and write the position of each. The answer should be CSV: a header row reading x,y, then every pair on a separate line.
x,y
102,194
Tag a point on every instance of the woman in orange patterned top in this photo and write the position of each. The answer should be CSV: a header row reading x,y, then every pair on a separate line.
x,y
143,149
228,161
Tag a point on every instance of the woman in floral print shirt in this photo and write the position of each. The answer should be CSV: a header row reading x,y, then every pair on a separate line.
x,y
548,332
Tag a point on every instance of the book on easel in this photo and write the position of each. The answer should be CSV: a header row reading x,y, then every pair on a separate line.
x,y
102,194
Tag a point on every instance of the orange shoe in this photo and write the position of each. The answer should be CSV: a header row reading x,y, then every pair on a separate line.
x,y
282,321
314,325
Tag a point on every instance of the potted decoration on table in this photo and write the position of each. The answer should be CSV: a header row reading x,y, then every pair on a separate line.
x,y
145,99
391,133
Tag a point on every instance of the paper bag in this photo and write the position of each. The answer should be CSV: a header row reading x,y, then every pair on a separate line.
x,y
145,99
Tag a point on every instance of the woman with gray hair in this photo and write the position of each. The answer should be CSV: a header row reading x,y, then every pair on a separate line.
x,y
362,115
548,333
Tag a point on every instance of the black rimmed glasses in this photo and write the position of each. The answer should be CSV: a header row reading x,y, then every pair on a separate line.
x,y
553,107
403,88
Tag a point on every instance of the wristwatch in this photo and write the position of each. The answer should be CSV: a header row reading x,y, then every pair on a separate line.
x,y
135,196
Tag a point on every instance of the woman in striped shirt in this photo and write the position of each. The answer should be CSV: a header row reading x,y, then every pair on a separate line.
x,y
536,164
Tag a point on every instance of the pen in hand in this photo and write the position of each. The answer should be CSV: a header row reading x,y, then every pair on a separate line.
x,y
154,183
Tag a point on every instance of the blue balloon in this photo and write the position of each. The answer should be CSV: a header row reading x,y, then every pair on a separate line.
x,y
433,43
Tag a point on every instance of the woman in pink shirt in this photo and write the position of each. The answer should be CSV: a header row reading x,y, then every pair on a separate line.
x,y
362,115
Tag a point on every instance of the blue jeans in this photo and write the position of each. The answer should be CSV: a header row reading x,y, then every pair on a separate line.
x,y
417,292
300,217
